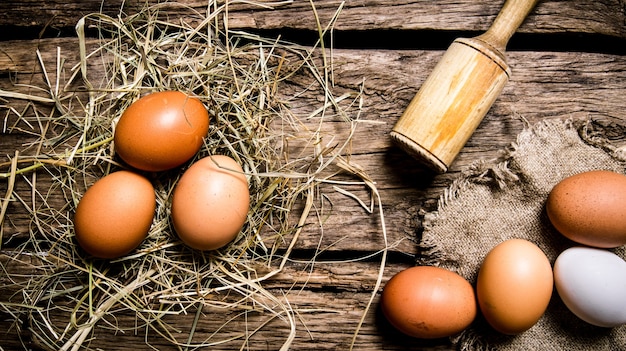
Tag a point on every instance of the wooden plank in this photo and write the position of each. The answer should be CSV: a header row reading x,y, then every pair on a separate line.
x,y
604,17
330,297
543,85
325,321
355,273
601,17
327,299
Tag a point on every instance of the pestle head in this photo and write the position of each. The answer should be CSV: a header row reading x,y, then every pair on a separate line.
x,y
452,102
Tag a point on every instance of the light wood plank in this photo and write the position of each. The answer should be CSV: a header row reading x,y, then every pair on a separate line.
x,y
543,85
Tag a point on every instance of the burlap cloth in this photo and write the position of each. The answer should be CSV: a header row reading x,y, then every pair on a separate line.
x,y
503,199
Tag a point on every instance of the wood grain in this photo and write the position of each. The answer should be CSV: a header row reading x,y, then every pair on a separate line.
x,y
330,296
328,299
604,17
543,85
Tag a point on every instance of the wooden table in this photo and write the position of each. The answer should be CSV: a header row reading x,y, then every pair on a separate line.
x,y
568,61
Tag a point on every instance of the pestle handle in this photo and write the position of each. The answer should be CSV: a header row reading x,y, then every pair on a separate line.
x,y
506,23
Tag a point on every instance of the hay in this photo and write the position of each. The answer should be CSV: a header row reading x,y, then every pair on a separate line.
x,y
238,77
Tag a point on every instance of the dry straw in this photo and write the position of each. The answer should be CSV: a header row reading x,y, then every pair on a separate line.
x,y
67,296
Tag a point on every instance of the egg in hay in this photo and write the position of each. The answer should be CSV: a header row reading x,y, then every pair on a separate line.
x,y
210,203
589,208
161,131
115,214
428,302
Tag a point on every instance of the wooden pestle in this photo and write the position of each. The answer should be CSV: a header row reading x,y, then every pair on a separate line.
x,y
456,96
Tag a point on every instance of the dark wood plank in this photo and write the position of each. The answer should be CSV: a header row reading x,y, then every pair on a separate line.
x,y
327,300
604,17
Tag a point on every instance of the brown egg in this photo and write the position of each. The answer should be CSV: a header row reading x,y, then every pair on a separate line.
x,y
115,214
590,208
210,203
428,302
514,286
161,131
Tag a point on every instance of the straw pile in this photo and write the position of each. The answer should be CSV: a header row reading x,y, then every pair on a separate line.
x,y
238,77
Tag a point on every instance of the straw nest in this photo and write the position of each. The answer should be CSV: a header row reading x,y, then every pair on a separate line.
x,y
238,76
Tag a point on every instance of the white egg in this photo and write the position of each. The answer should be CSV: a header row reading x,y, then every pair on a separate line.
x,y
592,284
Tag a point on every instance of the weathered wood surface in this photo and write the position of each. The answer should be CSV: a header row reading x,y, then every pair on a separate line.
x,y
550,16
545,84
